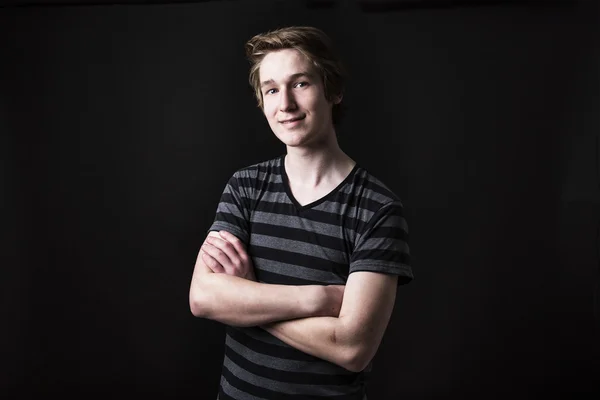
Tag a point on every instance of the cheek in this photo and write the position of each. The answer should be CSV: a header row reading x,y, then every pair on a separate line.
x,y
269,110
319,105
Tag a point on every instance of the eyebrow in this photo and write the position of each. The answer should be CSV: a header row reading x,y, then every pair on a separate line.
x,y
291,78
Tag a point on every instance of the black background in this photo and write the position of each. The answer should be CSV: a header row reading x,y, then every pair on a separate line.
x,y
121,123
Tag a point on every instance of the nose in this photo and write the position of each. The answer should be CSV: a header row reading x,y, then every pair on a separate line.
x,y
286,101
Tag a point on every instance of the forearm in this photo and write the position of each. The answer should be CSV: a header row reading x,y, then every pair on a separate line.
x,y
328,338
241,302
352,338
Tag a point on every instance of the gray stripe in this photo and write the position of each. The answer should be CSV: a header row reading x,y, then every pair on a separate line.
x,y
332,207
227,208
234,229
346,223
235,392
260,176
285,387
275,197
273,177
321,367
296,222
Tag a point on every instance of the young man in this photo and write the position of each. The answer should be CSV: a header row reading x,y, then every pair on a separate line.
x,y
306,251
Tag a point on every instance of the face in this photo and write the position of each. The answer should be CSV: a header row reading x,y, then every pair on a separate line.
x,y
294,100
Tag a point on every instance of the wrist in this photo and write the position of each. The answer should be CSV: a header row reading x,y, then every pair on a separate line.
x,y
250,275
308,300
320,301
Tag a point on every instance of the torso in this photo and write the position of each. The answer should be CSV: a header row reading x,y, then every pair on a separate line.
x,y
307,238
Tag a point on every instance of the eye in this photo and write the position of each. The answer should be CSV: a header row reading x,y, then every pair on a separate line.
x,y
270,91
301,83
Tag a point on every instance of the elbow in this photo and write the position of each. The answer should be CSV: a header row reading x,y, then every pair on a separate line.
x,y
202,297
357,362
198,304
354,350
357,358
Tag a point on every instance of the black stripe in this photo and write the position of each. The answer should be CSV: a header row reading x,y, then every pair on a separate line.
x,y
389,232
368,204
325,217
381,255
299,377
234,184
372,204
393,209
224,396
275,187
380,188
248,387
351,199
274,350
346,199
389,209
304,260
231,201
231,219
275,208
228,198
270,394
264,276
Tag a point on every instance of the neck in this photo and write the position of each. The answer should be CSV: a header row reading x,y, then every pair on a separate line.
x,y
310,167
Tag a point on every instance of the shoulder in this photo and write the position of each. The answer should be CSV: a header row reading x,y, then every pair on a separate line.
x,y
254,171
256,175
374,190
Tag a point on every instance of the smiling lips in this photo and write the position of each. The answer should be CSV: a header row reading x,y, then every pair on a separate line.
x,y
289,121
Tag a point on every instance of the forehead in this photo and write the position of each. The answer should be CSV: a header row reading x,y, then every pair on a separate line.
x,y
278,65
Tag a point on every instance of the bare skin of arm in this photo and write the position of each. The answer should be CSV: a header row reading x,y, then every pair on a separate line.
x,y
351,338
228,292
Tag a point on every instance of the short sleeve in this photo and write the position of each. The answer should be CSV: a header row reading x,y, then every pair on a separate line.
x,y
233,213
383,244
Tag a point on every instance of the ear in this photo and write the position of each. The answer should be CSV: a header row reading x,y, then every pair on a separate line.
x,y
337,99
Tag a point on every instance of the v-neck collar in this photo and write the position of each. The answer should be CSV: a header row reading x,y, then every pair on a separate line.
x,y
288,190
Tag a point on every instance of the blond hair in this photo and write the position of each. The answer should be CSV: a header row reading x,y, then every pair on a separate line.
x,y
314,44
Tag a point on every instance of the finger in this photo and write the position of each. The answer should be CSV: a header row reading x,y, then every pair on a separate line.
x,y
212,263
226,248
217,254
237,244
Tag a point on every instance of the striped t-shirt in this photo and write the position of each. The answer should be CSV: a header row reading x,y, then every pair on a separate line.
x,y
359,226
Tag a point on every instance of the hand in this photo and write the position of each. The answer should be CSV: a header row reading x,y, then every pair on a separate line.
x,y
227,254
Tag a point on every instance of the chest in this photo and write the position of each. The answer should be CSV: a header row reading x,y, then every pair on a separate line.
x,y
291,245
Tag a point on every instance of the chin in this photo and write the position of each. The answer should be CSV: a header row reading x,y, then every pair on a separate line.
x,y
303,139
294,142
293,138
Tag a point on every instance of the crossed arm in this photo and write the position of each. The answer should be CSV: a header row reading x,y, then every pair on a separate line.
x,y
226,291
343,325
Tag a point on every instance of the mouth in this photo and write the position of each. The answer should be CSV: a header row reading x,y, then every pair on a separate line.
x,y
291,120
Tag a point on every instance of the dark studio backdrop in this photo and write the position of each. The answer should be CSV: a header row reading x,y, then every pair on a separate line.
x,y
121,123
